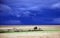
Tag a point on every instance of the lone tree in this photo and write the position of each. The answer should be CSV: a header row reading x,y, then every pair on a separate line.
x,y
35,28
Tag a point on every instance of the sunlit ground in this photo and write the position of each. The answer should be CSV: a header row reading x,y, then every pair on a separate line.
x,y
42,34
55,33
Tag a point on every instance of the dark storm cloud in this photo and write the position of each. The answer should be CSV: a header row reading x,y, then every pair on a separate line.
x,y
31,11
4,10
10,22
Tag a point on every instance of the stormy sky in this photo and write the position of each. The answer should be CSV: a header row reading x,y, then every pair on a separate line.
x,y
29,12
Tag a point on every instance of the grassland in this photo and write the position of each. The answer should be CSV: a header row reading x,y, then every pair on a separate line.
x,y
48,32
38,34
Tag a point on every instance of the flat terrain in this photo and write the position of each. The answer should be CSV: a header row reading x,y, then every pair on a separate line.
x,y
49,32
46,34
27,27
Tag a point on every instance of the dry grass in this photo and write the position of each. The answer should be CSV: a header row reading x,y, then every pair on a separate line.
x,y
30,35
46,27
54,34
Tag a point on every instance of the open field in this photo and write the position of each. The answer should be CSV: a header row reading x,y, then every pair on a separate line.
x,y
24,27
48,32
53,34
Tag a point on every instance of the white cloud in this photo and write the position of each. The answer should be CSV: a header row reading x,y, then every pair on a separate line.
x,y
56,5
24,5
18,12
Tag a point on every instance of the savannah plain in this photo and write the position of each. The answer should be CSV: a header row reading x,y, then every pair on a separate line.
x,y
48,32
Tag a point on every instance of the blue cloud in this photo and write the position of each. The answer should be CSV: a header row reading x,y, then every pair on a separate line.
x,y
56,20
30,11
4,10
11,22
56,5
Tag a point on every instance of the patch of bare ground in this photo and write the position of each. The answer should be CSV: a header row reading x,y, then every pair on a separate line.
x,y
31,35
